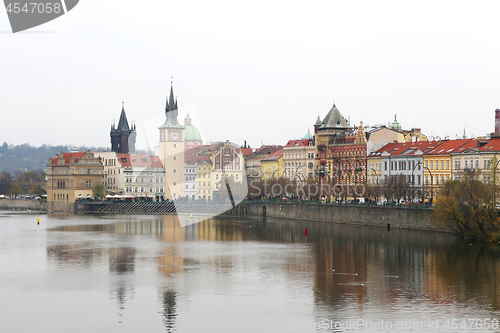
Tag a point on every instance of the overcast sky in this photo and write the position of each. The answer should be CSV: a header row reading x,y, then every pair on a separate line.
x,y
260,71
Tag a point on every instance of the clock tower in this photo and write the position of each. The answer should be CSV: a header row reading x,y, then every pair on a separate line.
x,y
171,150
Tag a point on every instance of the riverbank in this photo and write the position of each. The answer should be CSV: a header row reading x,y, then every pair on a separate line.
x,y
405,217
20,204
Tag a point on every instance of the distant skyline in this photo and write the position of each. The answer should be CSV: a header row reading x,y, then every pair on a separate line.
x,y
260,71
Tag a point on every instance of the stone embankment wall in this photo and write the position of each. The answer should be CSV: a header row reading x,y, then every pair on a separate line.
x,y
23,204
404,218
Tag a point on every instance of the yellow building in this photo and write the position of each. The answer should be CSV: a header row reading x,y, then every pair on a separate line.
x,y
374,168
253,167
272,166
71,176
205,178
438,166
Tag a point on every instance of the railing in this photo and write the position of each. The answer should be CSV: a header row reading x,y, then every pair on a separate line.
x,y
338,203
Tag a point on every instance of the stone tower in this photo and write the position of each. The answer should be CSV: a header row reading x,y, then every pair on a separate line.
x,y
171,150
122,136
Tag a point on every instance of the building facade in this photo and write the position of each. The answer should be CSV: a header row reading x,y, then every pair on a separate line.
x,y
298,158
113,175
190,174
272,166
437,164
171,150
253,168
71,176
144,176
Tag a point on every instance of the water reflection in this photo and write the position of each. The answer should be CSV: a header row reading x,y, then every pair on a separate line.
x,y
343,271
169,310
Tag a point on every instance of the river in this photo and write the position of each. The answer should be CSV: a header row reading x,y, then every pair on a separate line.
x,y
146,273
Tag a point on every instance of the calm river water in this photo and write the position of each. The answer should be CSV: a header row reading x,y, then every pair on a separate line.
x,y
123,273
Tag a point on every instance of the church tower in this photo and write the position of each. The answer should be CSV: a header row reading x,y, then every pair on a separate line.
x,y
171,150
122,136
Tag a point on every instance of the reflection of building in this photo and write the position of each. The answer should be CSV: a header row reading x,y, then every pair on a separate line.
x,y
122,136
72,175
171,150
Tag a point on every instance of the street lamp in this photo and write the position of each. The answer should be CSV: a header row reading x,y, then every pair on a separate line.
x,y
413,177
432,193
376,175
376,181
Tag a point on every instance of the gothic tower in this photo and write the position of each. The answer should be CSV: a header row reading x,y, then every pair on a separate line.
x,y
122,136
171,150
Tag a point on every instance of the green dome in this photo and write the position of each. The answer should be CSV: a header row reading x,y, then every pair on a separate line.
x,y
395,124
191,133
308,136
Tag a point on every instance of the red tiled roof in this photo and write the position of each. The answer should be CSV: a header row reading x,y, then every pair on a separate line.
x,y
201,158
407,148
67,157
274,156
266,150
246,151
139,160
294,143
492,145
453,146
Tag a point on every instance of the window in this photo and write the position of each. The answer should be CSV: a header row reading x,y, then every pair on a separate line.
x,y
447,165
88,183
442,165
477,164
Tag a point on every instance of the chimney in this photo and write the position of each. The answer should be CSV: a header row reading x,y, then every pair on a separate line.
x,y
497,121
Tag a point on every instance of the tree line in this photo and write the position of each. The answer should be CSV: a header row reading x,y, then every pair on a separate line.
x,y
30,182
26,157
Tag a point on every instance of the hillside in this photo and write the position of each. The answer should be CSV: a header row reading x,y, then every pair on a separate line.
x,y
25,157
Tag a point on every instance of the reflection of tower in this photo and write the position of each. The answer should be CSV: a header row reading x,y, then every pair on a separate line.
x,y
122,263
169,311
171,150
122,137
